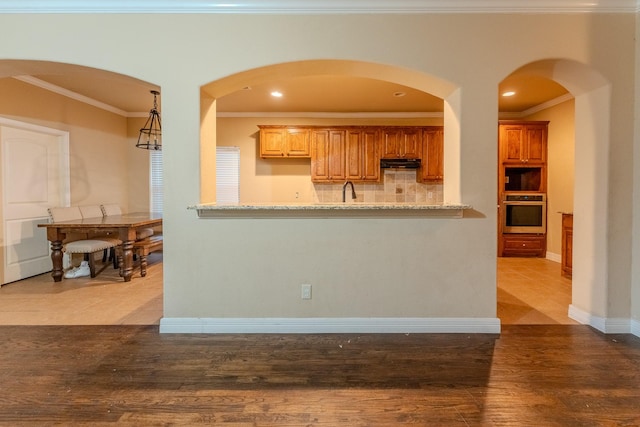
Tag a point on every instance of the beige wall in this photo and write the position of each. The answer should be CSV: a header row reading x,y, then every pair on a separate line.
x,y
138,171
374,267
635,248
97,143
561,170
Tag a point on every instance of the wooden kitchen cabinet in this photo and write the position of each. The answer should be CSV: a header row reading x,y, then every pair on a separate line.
x,y
362,155
524,245
402,143
328,155
522,151
567,245
432,169
284,141
353,153
523,143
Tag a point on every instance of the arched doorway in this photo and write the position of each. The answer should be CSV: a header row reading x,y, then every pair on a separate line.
x,y
101,111
592,104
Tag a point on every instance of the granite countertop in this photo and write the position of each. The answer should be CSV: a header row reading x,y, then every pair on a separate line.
x,y
325,206
328,209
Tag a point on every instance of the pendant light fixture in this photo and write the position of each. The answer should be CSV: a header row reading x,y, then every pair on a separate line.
x,y
150,137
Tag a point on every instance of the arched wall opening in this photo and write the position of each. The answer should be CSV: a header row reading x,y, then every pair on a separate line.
x,y
591,181
420,81
102,163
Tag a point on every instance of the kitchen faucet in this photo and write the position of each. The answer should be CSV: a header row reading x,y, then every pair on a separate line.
x,y
353,191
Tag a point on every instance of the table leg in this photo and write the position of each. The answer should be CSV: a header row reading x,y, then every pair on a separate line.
x,y
56,258
126,268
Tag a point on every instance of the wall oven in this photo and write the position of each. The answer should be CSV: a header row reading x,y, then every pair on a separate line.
x,y
524,213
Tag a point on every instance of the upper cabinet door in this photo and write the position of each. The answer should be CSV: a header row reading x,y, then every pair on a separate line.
x,y
272,142
362,155
327,155
512,140
432,169
282,141
412,143
401,143
536,143
523,144
298,143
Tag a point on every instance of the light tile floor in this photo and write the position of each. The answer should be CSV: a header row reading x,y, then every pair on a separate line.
x,y
530,291
103,300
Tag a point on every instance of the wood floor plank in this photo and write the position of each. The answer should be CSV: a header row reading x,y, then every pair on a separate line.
x,y
551,375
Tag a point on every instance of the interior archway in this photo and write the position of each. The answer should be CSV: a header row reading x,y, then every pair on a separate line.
x,y
433,85
592,105
102,112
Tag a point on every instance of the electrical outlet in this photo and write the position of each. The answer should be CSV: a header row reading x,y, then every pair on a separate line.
x,y
306,291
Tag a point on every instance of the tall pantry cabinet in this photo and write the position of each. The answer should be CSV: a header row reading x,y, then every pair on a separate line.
x,y
522,169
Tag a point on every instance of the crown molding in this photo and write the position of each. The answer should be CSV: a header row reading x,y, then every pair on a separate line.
x,y
301,114
536,108
76,96
332,115
319,6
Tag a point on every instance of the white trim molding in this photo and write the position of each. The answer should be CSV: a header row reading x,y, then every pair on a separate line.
x,y
335,115
551,256
317,6
75,96
603,324
192,325
635,327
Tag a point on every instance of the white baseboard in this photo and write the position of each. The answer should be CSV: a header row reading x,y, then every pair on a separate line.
x,y
635,327
603,324
328,325
553,257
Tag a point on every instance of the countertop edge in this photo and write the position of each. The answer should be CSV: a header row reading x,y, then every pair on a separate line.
x,y
322,210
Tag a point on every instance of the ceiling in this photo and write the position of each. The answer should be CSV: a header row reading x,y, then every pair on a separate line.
x,y
315,94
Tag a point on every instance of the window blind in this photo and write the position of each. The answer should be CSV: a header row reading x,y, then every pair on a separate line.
x,y
227,175
156,181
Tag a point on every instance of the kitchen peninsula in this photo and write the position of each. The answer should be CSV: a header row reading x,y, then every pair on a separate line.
x,y
325,210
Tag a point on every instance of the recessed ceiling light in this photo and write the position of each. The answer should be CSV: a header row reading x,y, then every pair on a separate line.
x,y
509,93
399,94
276,94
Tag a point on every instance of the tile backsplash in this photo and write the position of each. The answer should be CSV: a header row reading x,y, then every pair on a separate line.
x,y
396,186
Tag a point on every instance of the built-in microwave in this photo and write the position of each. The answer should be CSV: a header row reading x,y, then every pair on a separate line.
x,y
524,213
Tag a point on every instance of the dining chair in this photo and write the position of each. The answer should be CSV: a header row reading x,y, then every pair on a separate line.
x,y
95,211
81,243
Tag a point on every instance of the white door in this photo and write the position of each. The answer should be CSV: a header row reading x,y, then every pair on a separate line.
x,y
35,176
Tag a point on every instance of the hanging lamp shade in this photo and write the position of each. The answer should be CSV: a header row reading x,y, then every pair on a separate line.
x,y
150,137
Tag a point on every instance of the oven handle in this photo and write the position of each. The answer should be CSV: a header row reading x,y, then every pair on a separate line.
x,y
534,203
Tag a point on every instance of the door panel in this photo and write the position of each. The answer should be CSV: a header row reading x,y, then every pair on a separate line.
x,y
34,167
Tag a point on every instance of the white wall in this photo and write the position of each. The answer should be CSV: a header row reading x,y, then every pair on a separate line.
x,y
379,267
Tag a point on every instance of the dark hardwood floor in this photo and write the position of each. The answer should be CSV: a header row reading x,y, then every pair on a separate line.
x,y
543,375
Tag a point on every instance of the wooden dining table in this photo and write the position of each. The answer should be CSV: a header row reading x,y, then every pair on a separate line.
x,y
123,227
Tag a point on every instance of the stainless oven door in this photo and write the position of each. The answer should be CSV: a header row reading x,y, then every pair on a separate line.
x,y
524,217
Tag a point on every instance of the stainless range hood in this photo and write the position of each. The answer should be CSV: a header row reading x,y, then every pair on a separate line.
x,y
399,163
